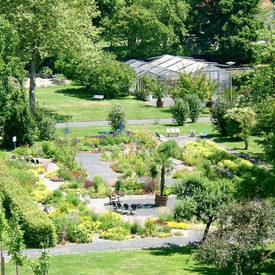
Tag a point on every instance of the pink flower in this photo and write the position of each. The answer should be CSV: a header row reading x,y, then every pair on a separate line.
x,y
88,183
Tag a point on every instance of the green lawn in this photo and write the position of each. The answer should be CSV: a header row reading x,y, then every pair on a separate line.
x,y
72,103
254,150
161,128
176,260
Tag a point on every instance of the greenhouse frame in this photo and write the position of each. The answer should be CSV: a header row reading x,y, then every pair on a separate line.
x,y
167,68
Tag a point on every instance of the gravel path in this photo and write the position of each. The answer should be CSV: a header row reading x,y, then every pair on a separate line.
x,y
51,166
107,245
130,121
95,167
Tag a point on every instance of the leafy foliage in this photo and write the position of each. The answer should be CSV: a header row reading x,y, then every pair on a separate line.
x,y
224,30
180,111
218,110
194,104
196,83
201,198
240,122
117,117
240,241
106,77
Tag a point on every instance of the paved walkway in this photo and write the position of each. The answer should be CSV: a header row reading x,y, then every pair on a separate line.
x,y
108,245
95,167
129,121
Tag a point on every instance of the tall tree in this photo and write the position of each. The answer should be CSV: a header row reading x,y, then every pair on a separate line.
x,y
45,27
148,28
224,30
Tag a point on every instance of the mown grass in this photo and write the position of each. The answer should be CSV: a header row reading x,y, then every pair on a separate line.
x,y
161,261
73,103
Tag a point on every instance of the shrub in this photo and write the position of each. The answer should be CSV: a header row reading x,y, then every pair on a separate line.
x,y
194,104
150,227
180,111
240,122
97,181
136,228
37,227
73,199
108,77
109,220
117,117
180,173
118,185
116,233
45,126
218,111
177,225
18,121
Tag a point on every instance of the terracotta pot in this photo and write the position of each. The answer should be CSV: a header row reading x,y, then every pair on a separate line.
x,y
161,200
159,103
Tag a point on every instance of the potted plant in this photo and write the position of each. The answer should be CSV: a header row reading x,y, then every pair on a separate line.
x,y
164,164
159,90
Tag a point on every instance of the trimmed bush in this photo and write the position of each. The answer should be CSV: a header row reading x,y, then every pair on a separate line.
x,y
38,228
117,117
217,116
180,111
194,104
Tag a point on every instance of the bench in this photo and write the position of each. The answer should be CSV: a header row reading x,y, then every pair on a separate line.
x,y
99,97
204,133
172,131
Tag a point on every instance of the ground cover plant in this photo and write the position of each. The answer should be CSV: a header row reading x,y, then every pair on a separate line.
x,y
249,179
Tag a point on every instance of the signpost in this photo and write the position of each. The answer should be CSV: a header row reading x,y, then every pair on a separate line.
x,y
14,141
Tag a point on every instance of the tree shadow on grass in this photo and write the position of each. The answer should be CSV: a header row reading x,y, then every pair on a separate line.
x,y
192,266
172,249
79,92
55,116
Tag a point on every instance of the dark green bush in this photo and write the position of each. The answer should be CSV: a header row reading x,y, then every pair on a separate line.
x,y
194,104
38,228
117,117
97,181
217,115
180,111
18,121
45,126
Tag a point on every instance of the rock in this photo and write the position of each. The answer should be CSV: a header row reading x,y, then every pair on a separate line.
x,y
86,198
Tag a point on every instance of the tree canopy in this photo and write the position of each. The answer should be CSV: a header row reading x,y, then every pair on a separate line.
x,y
45,27
224,30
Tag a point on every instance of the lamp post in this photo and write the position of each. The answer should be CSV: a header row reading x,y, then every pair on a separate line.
x,y
230,64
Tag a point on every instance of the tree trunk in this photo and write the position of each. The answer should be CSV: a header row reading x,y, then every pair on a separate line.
x,y
245,144
162,180
32,81
2,262
206,230
17,269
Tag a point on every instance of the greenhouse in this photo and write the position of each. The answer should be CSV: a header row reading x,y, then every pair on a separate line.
x,y
167,68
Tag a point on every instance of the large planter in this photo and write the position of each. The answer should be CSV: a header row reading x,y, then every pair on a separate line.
x,y
159,103
161,200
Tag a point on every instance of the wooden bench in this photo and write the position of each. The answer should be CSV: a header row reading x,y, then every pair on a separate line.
x,y
99,97
173,131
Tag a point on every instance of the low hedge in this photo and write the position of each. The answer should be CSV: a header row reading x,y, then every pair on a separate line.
x,y
38,228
